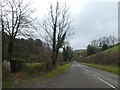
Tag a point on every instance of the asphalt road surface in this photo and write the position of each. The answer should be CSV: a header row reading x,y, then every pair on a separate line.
x,y
80,76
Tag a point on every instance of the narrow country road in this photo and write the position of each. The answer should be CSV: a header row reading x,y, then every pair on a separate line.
x,y
79,76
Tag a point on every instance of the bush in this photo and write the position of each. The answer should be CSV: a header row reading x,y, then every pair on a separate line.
x,y
37,68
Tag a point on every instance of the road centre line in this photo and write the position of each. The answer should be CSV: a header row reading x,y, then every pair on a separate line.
x,y
105,82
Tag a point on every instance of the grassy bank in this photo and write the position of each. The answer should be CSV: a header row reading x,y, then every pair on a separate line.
x,y
57,70
31,65
109,68
106,57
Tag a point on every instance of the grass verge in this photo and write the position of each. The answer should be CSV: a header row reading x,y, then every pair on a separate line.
x,y
109,68
8,83
31,65
56,71
44,75
7,79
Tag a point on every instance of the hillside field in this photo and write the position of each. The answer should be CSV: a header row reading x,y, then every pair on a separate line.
x,y
107,57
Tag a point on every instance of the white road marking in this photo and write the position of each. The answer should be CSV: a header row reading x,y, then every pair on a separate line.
x,y
95,75
105,82
86,70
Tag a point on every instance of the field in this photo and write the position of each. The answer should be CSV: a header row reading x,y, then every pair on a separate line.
x,y
107,57
114,49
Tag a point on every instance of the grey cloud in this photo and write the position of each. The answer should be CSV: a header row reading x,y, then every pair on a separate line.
x,y
97,19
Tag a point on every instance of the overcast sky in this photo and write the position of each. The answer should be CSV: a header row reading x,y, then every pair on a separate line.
x,y
92,19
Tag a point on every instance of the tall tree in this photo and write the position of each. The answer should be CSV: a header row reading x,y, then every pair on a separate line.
x,y
67,53
112,40
56,27
15,20
90,50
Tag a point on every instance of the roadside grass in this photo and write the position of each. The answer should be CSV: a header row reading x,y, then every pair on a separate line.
x,y
32,74
8,83
110,68
56,71
7,79
46,75
31,65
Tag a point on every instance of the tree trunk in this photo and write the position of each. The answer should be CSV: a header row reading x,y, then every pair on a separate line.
x,y
55,56
54,46
64,54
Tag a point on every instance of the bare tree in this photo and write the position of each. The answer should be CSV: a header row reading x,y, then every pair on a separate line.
x,y
56,27
95,43
103,41
112,40
15,20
